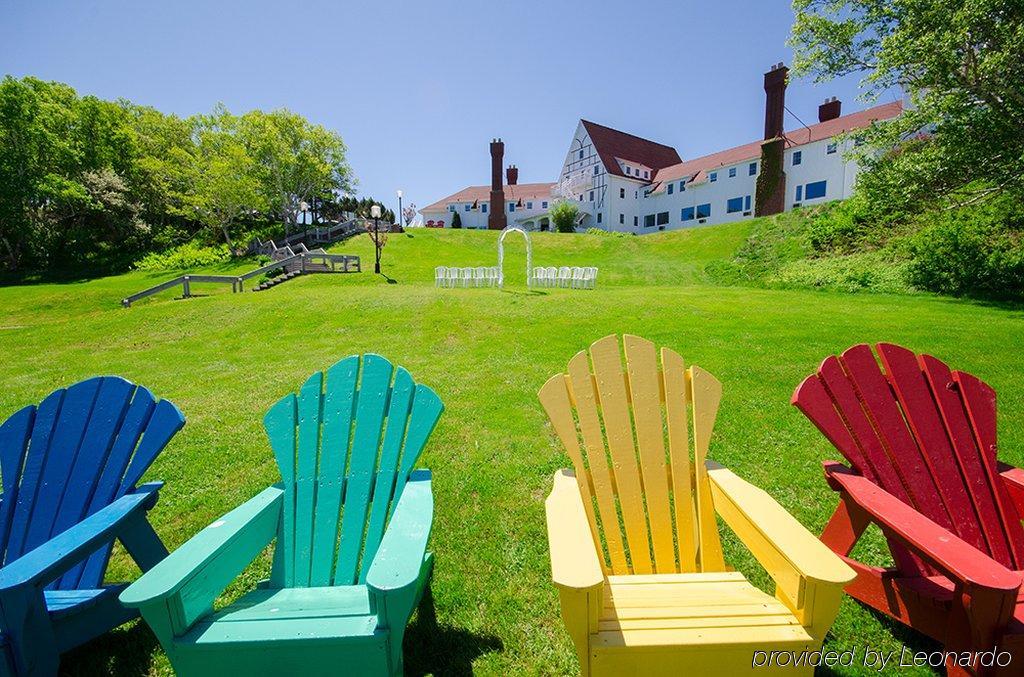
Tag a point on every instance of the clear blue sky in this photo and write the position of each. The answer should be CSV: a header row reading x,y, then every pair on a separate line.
x,y
418,89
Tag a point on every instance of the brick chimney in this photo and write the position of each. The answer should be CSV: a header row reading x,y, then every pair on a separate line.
x,y
512,175
770,197
775,100
830,110
496,213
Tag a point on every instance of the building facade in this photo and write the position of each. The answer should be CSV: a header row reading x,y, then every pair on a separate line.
x,y
626,183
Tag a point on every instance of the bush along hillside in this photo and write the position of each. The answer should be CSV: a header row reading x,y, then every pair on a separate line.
x,y
973,251
939,201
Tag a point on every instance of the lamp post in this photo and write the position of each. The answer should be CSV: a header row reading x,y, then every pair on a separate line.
x,y
303,209
401,215
375,213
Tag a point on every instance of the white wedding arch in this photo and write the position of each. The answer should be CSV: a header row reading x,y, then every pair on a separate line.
x,y
501,255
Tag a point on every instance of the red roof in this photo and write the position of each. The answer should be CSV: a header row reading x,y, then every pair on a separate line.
x,y
696,169
611,144
482,194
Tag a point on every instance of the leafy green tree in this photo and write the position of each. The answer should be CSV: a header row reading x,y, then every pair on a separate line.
x,y
90,182
456,220
296,161
564,214
226,185
960,63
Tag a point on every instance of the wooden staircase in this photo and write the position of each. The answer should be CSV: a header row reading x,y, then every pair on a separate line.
x,y
280,279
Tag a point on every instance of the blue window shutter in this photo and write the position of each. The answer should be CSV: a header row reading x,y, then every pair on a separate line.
x,y
799,193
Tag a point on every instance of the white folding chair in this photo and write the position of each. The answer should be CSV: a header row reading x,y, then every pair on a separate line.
x,y
551,276
577,277
453,276
492,276
467,277
479,274
538,277
439,276
563,276
592,282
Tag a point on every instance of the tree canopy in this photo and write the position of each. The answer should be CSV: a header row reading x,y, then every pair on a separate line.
x,y
85,181
960,65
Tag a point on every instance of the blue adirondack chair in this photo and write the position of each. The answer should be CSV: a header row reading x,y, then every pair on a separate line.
x,y
351,521
69,468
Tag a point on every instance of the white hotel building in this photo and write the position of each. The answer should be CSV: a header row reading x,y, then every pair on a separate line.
x,y
626,183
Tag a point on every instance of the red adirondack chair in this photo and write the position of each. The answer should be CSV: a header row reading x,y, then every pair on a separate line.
x,y
922,443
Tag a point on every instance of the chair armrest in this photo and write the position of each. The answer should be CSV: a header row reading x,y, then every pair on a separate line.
x,y
574,559
944,550
809,577
59,554
399,558
184,585
1013,480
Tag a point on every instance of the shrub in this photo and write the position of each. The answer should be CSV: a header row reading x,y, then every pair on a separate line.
x,y
864,272
841,227
563,215
976,251
607,233
184,257
456,220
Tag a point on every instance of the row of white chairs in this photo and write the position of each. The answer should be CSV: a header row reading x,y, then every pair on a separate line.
x,y
480,276
566,276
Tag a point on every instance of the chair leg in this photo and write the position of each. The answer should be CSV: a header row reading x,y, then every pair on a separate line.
x,y
31,644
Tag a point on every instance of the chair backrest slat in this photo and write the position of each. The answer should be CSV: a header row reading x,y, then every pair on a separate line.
x,y
910,430
344,447
978,476
371,406
336,424
640,488
645,394
387,471
66,441
14,436
615,413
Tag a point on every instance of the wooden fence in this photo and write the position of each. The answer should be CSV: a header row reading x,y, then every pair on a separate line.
x,y
308,262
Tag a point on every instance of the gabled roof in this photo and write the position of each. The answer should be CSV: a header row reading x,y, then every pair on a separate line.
x,y
696,170
611,144
519,191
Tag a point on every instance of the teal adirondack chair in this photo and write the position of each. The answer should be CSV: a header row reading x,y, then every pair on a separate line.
x,y
351,519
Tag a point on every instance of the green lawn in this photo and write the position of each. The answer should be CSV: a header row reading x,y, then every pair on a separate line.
x,y
224,359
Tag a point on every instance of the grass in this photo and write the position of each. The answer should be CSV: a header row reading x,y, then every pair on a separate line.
x,y
226,358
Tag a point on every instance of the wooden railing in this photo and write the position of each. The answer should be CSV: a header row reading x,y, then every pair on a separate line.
x,y
345,263
320,234
186,286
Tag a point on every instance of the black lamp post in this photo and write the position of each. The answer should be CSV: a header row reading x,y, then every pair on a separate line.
x,y
375,213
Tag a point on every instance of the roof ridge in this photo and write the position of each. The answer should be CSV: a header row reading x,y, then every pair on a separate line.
x,y
619,131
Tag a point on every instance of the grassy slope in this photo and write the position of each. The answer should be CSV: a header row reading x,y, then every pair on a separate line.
x,y
225,359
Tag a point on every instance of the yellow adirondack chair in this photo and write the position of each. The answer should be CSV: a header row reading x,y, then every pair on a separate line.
x,y
635,551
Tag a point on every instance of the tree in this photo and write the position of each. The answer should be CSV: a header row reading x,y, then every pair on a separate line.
x,y
226,185
959,62
564,214
296,161
456,220
409,213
